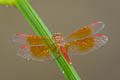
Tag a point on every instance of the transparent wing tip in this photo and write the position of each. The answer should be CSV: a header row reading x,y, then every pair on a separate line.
x,y
100,40
24,52
96,26
19,38
19,34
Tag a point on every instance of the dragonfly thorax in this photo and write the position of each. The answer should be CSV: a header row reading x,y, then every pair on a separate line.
x,y
57,37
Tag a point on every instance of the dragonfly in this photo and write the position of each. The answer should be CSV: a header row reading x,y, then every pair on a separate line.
x,y
81,41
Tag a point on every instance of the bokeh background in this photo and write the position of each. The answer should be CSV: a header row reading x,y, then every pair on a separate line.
x,y
62,16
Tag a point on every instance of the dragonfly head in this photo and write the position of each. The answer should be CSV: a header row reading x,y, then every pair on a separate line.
x,y
57,37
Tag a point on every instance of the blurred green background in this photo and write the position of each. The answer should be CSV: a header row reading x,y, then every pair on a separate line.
x,y
62,16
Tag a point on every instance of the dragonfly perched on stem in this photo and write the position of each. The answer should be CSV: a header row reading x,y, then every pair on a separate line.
x,y
78,42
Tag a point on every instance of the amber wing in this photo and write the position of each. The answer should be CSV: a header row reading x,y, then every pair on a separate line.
x,y
90,29
32,47
29,39
85,45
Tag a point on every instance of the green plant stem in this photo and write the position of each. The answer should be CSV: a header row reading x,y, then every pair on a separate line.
x,y
41,30
7,2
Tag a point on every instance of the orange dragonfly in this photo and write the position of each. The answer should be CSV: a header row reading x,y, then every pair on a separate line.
x,y
78,42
